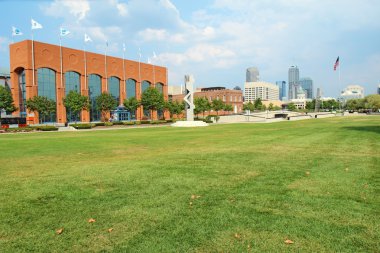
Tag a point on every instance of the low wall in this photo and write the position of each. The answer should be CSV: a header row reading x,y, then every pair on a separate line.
x,y
325,115
300,117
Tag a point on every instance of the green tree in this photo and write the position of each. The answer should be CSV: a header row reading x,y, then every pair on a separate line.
x,y
270,107
258,104
249,106
41,104
152,99
372,102
228,108
276,108
202,104
75,103
105,102
310,105
292,107
217,105
131,105
6,101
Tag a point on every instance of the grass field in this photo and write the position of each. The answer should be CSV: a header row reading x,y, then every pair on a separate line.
x,y
225,188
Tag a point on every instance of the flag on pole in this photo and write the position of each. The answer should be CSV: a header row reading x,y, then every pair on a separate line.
x,y
139,53
149,61
36,25
64,32
336,63
154,55
16,31
87,38
124,47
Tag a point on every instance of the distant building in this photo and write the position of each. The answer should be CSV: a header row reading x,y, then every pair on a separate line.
x,y
175,90
5,81
282,90
293,81
307,84
352,92
252,75
263,90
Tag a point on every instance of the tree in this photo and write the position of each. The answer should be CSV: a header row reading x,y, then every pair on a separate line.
x,y
131,105
202,105
228,108
105,102
152,99
270,107
6,101
310,105
237,88
217,105
178,108
41,104
372,102
292,107
258,104
76,102
249,106
276,108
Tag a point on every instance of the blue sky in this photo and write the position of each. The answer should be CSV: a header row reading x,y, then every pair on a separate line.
x,y
216,40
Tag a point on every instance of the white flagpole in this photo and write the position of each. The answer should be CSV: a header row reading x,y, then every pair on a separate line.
x,y
105,64
85,66
34,84
60,58
125,84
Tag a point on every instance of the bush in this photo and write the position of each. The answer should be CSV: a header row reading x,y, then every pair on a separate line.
x,y
99,124
137,122
82,126
210,117
19,129
46,128
208,121
128,123
154,122
145,121
170,120
108,123
117,122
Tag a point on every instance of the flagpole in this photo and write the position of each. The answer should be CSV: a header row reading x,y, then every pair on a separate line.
x,y
105,64
141,111
85,67
34,84
124,70
60,58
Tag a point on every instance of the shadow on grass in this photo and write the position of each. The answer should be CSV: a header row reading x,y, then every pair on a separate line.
x,y
375,129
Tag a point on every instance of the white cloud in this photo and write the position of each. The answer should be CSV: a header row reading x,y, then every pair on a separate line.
x,y
78,9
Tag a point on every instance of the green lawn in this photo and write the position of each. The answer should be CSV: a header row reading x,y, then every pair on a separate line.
x,y
315,182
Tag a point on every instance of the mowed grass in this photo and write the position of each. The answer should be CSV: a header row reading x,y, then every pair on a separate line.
x,y
225,188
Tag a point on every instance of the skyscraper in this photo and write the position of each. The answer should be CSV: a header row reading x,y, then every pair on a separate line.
x,y
252,75
293,76
282,87
307,84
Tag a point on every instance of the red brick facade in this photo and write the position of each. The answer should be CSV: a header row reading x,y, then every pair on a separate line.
x,y
48,56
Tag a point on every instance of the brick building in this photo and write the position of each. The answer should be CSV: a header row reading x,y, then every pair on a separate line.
x,y
88,73
232,97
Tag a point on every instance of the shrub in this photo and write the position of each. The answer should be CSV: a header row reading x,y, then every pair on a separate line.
x,y
154,122
19,129
108,123
82,126
208,121
46,128
117,122
145,121
99,124
170,120
210,117
137,122
128,123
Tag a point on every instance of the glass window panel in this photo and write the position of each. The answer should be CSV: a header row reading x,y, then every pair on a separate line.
x,y
72,82
131,88
46,87
94,90
114,88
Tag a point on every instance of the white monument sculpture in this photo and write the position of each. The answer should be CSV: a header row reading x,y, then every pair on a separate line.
x,y
189,106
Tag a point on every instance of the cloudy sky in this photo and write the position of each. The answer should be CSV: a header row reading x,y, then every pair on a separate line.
x,y
216,40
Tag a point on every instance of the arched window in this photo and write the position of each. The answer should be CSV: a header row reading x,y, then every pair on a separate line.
x,y
144,86
94,90
72,82
160,87
46,88
114,88
22,93
130,88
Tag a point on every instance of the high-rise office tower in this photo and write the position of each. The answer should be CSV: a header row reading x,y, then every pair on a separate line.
x,y
307,84
293,76
252,75
282,87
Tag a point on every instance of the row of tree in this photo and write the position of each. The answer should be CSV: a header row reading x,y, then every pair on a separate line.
x,y
369,103
259,106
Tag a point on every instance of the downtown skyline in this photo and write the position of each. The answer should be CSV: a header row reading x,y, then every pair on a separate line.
x,y
218,40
